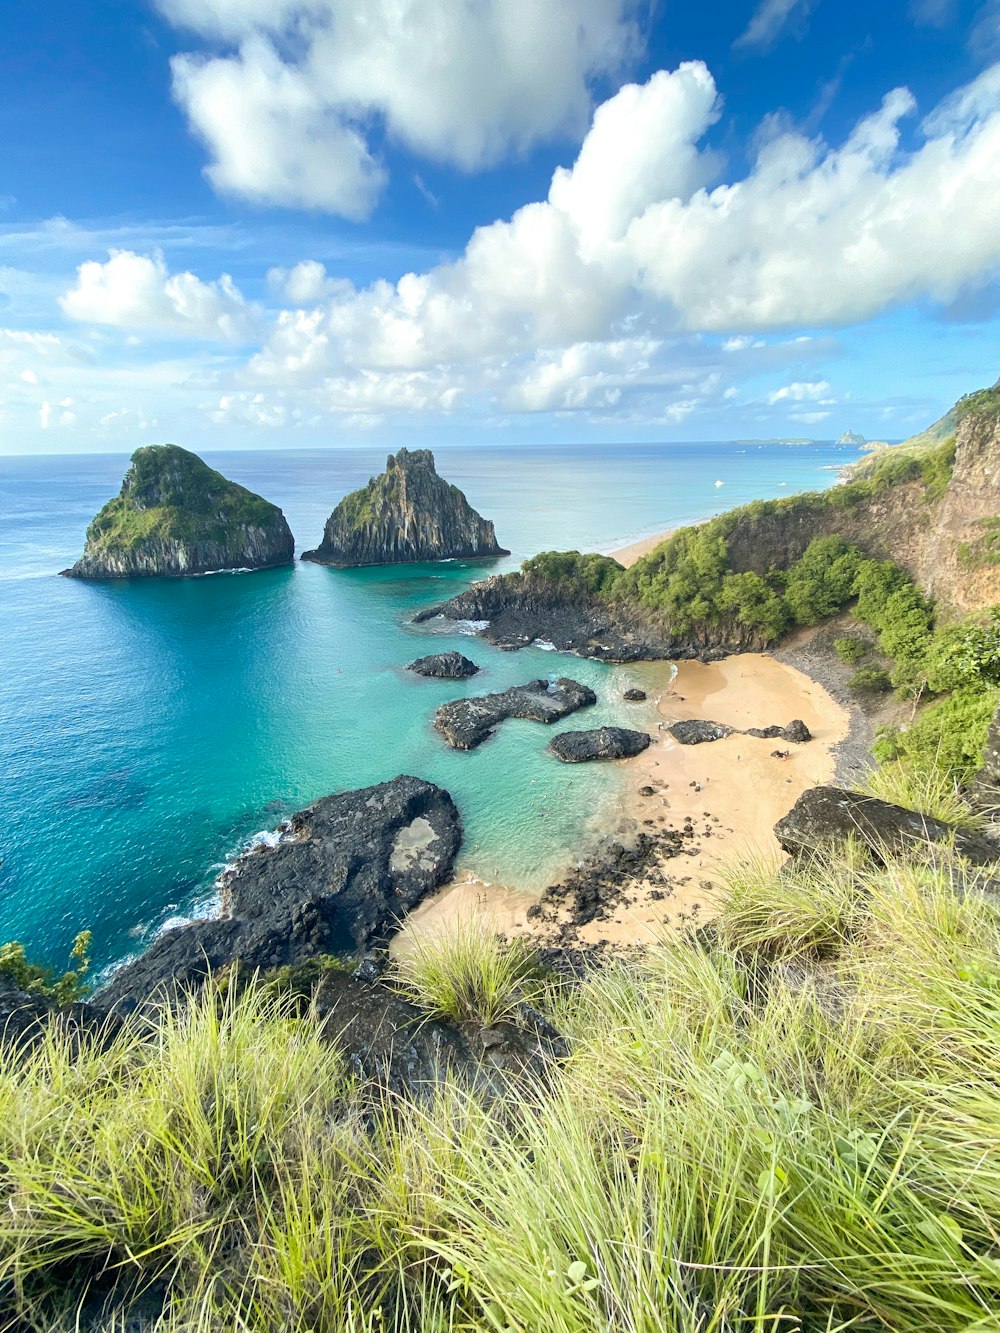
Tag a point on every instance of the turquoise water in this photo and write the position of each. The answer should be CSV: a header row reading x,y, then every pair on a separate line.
x,y
148,729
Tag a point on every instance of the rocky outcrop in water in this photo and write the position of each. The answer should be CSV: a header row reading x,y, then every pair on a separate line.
x,y
176,516
444,666
517,610
825,815
466,723
579,747
344,870
408,513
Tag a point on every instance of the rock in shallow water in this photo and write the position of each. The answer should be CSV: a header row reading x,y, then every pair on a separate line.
x,y
176,516
445,666
345,869
634,696
466,723
408,513
577,747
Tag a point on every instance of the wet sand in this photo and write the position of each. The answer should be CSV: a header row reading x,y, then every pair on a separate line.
x,y
728,793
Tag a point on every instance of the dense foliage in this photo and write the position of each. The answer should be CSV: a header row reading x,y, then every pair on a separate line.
x,y
61,988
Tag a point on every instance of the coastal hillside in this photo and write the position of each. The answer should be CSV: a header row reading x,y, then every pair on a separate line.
x,y
177,516
408,513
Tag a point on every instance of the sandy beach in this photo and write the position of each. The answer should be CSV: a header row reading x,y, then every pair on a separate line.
x,y
727,793
628,555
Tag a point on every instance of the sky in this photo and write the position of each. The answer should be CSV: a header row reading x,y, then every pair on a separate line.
x,y
239,224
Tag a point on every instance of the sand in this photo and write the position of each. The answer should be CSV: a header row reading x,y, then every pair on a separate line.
x,y
731,791
628,555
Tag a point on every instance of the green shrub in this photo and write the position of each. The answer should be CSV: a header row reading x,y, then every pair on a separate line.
x,y
965,654
871,680
948,735
36,980
851,648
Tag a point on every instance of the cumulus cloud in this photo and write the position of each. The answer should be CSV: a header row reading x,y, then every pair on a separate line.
x,y
770,19
132,291
800,392
288,116
637,245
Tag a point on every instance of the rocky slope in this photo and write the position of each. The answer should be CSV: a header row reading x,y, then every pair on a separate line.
x,y
937,516
408,513
177,516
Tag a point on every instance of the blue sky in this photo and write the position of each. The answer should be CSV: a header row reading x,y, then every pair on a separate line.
x,y
267,223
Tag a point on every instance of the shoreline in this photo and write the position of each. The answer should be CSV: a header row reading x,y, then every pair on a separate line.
x,y
720,799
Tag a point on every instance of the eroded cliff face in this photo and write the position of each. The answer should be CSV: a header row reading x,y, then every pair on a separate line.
x,y
949,544
176,516
408,513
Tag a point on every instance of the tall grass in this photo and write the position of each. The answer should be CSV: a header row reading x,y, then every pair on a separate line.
x,y
468,972
929,789
789,1123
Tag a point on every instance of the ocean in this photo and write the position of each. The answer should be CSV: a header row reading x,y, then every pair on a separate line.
x,y
150,729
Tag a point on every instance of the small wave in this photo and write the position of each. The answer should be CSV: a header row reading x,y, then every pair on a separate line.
x,y
210,573
470,626
545,646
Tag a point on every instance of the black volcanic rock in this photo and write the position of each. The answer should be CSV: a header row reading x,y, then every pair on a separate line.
x,y
634,696
697,732
577,747
342,873
408,513
829,814
466,723
176,516
446,666
796,731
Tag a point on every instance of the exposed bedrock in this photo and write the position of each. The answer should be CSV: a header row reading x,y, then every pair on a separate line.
x,y
578,747
407,513
517,611
387,1039
466,723
344,870
445,666
825,815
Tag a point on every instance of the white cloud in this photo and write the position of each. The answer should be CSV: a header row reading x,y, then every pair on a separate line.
x,y
633,245
287,118
132,291
800,392
306,283
770,19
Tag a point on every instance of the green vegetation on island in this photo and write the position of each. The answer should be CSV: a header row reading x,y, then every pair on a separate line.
x,y
176,515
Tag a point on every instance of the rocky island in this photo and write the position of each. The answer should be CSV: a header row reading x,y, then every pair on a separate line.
x,y
176,516
466,723
406,514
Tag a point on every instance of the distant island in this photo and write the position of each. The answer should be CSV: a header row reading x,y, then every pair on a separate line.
x,y
851,437
175,516
407,513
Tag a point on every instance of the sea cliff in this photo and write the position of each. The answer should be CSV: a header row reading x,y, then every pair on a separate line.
x,y
176,516
408,513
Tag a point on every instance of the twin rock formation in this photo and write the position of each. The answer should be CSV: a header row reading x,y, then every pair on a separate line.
x,y
176,516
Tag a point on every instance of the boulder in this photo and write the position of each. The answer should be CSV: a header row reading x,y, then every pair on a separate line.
x,y
577,747
697,732
341,874
393,1042
634,696
176,516
466,723
446,666
825,815
407,513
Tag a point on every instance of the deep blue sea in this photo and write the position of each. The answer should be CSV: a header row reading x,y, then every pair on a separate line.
x,y
149,728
